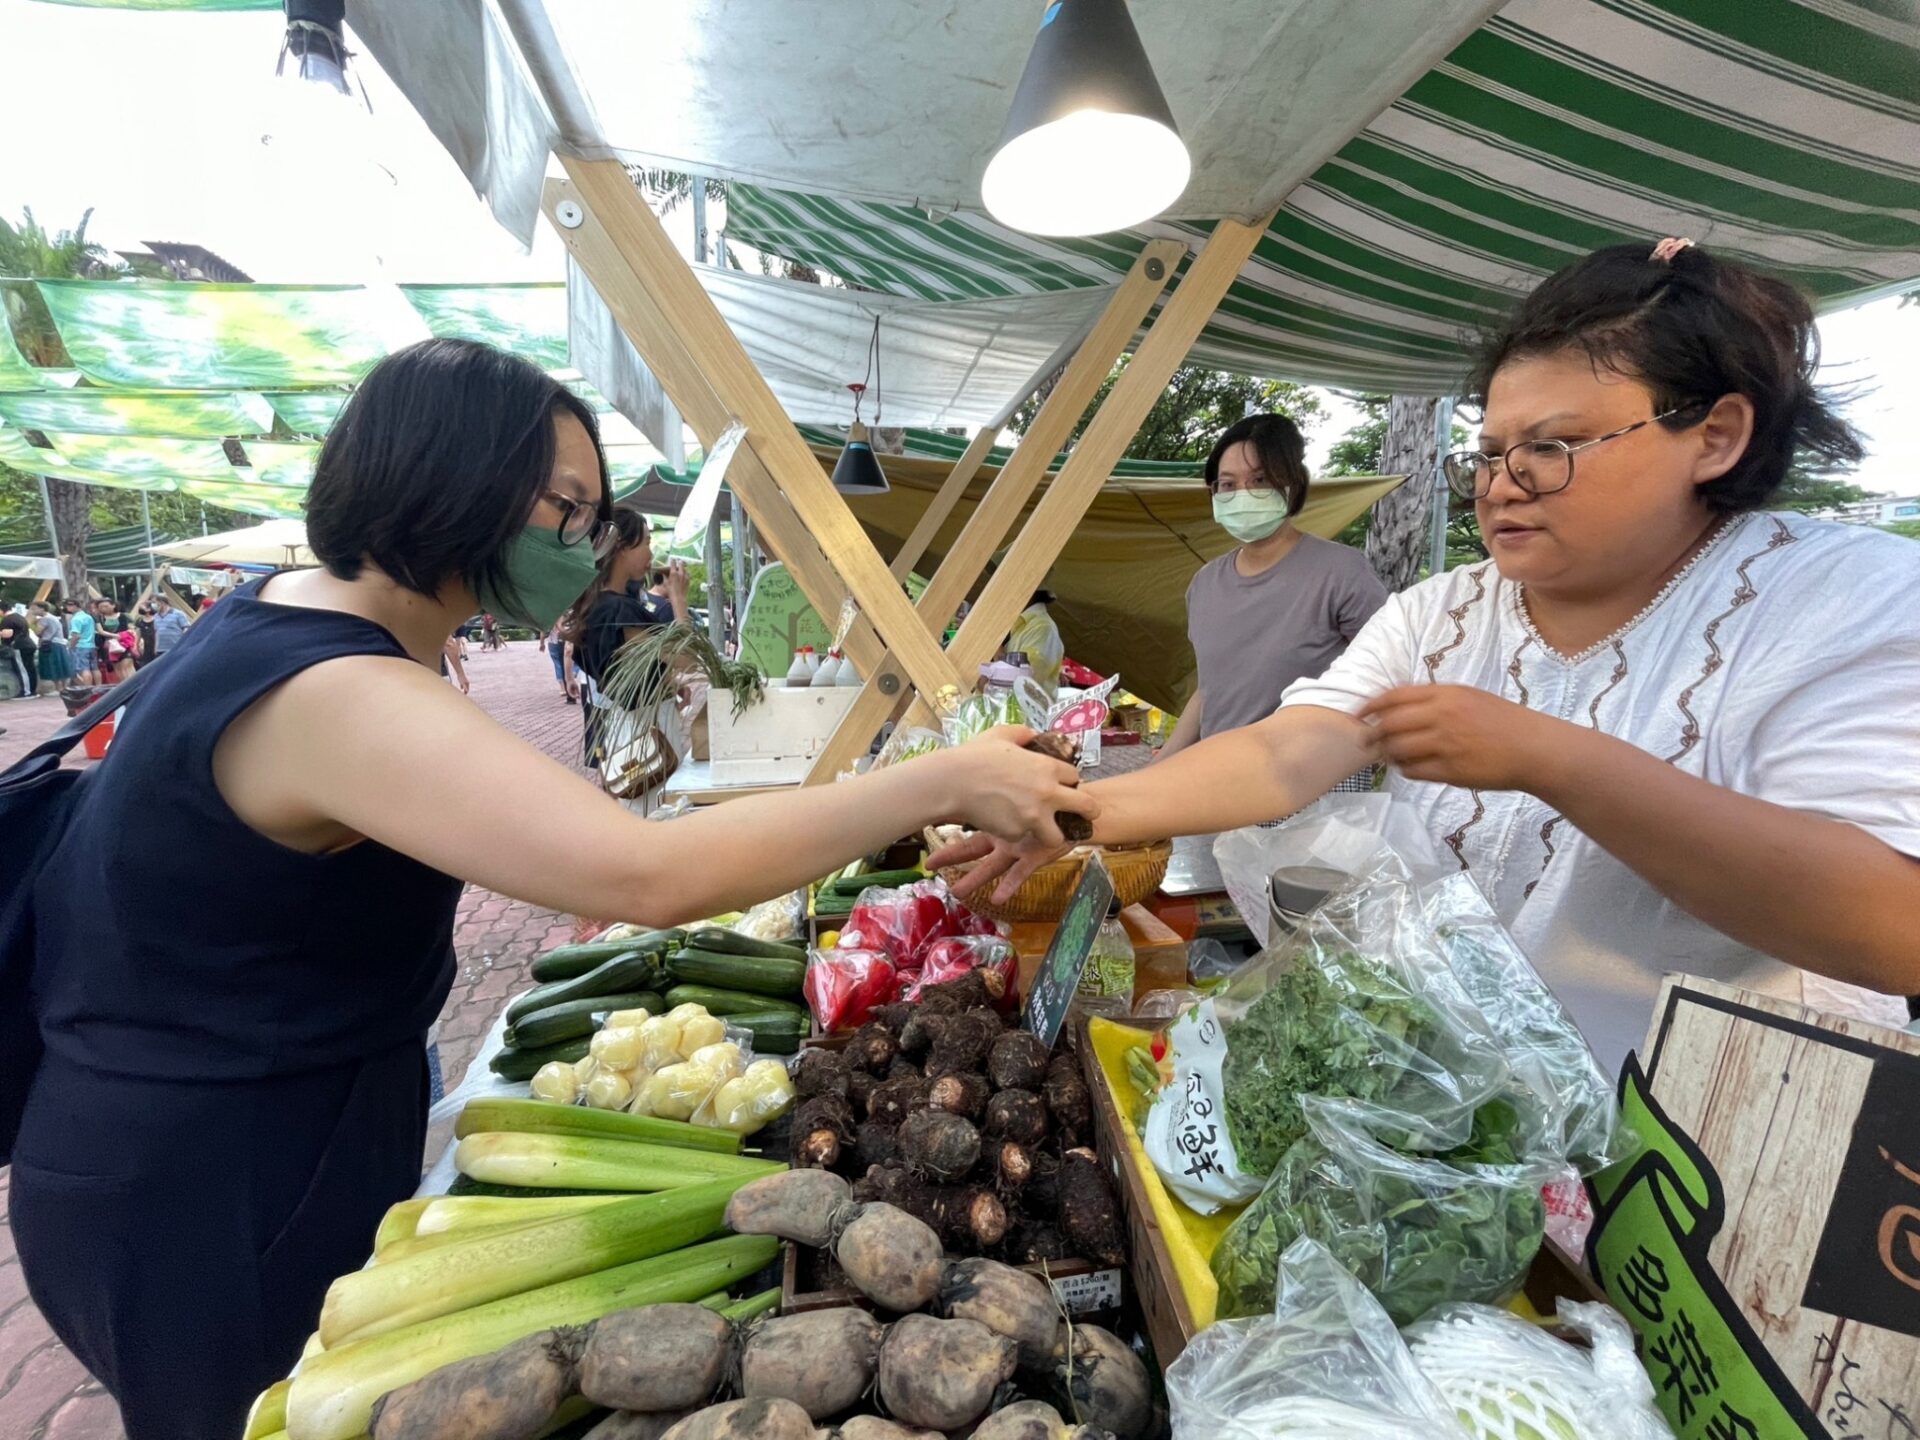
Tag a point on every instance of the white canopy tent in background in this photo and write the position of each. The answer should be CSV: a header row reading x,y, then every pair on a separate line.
x,y
272,542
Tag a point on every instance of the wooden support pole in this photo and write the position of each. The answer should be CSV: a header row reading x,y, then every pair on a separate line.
x,y
636,254
1065,504
944,499
1009,493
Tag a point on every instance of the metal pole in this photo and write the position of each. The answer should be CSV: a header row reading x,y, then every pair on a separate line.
x,y
153,564
1442,431
740,541
46,504
716,584
699,186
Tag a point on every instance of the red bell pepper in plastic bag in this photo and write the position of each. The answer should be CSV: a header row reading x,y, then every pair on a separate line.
x,y
843,986
954,956
901,923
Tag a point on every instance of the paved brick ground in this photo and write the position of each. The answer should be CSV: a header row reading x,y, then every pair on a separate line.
x,y
44,1393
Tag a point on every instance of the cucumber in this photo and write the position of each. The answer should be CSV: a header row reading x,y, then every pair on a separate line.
x,y
852,885
623,974
731,942
523,1064
727,1002
762,975
575,1017
775,1032
569,961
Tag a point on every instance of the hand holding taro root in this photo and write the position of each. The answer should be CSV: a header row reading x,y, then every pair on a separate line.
x,y
1076,828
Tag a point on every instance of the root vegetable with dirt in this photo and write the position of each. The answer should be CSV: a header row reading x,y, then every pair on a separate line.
x,y
822,1360
658,1357
942,1374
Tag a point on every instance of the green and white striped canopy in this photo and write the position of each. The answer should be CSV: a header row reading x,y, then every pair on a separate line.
x,y
1785,133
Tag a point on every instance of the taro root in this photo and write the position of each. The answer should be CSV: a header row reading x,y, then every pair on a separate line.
x,y
961,1043
1074,827
636,1425
1065,1092
507,1395
893,1016
904,1069
1018,1061
893,1101
657,1357
916,1036
892,1258
1038,1243
1105,1383
872,1427
875,1144
745,1420
889,1182
1012,1165
798,1205
822,1126
1008,1302
967,1217
1018,1115
860,1088
938,1145
962,1095
872,1048
818,1071
1089,1211
823,1360
964,992
942,1373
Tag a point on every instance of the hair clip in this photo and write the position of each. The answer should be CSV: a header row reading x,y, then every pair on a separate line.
x,y
1670,247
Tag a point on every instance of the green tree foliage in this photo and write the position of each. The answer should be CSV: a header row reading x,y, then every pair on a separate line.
x,y
1192,411
1906,529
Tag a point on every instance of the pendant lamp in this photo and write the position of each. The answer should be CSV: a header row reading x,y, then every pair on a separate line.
x,y
1089,145
857,471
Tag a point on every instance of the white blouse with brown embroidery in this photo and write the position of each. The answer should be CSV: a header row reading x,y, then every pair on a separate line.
x,y
1783,662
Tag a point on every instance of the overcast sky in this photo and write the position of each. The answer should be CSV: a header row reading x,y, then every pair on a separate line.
x,y
155,120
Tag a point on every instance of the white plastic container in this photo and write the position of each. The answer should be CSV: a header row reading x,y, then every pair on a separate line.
x,y
797,673
829,671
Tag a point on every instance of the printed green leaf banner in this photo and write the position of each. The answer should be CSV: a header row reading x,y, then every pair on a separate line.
x,y
176,414
529,320
310,412
219,337
283,463
17,451
143,458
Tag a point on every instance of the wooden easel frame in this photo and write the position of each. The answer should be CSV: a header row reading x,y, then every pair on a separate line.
x,y
658,301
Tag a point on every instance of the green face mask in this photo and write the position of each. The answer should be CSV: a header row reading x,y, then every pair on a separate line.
x,y
1250,515
546,576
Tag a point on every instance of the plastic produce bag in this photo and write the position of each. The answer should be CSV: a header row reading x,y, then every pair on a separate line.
x,y
1357,1008
1507,1379
901,923
780,919
842,986
1417,1230
954,955
1326,1364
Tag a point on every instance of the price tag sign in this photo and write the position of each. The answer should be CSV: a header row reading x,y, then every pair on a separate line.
x,y
1059,974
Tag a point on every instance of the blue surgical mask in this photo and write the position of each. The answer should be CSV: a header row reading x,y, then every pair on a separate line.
x,y
1250,515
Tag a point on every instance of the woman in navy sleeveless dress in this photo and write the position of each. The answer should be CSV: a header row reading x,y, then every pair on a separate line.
x,y
246,929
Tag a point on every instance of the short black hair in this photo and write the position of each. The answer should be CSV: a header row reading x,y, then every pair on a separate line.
x,y
1691,329
630,528
1282,450
435,463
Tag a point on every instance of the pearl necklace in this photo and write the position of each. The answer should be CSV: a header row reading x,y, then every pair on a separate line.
x,y
1726,528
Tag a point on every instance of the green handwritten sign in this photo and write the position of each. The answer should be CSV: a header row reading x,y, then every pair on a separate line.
x,y
1058,978
1655,1216
778,621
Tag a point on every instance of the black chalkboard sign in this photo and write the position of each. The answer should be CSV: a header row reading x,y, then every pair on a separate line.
x,y
1059,974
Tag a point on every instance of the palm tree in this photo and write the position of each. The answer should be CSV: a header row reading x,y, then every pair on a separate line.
x,y
28,251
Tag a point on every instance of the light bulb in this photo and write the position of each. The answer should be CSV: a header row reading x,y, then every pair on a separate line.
x,y
1087,173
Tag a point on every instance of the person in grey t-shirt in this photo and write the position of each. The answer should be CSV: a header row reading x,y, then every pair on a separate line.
x,y
1282,605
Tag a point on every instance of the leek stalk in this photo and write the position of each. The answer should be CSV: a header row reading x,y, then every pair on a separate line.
x,y
470,1212
573,1162
491,1264
332,1396
400,1222
545,1117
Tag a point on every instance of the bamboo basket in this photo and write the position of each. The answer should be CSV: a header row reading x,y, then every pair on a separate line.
x,y
1137,871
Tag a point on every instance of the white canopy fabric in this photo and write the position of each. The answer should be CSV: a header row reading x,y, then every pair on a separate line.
x,y
273,542
878,100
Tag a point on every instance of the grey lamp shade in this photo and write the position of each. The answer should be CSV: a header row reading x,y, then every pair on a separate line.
x,y
857,471
1090,144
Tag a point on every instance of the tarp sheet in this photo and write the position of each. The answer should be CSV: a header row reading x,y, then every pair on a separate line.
x,y
181,414
1120,584
119,551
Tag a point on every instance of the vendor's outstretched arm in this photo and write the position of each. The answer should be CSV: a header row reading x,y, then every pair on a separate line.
x,y
1239,777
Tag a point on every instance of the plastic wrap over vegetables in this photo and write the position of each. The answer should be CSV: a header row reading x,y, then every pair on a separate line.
x,y
1357,1009
1418,1230
1327,1364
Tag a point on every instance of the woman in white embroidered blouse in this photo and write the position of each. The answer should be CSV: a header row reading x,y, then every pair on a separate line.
x,y
1664,728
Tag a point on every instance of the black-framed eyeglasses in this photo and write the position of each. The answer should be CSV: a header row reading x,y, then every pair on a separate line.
x,y
581,520
1539,467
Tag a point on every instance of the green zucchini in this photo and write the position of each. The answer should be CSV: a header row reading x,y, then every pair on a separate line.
x,y
575,1017
727,1002
775,1032
852,885
569,961
762,975
522,1064
730,942
622,975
